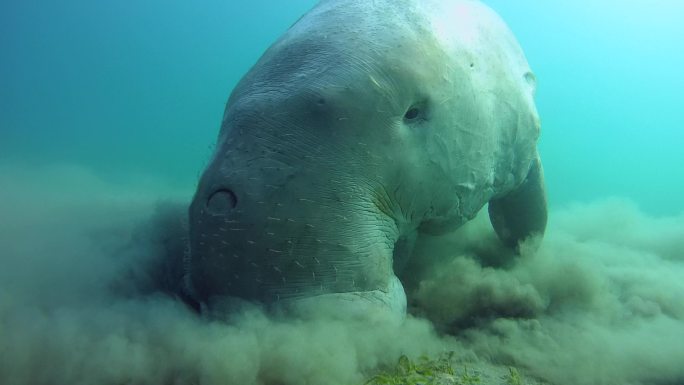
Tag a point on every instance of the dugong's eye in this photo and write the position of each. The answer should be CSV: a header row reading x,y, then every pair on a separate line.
x,y
412,114
416,113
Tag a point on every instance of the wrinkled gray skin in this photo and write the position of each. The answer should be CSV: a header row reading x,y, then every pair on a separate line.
x,y
367,123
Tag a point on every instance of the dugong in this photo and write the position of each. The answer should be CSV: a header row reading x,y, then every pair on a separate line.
x,y
366,124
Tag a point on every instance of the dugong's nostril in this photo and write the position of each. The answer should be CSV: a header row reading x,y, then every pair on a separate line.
x,y
221,202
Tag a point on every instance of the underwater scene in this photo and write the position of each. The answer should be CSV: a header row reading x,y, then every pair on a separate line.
x,y
395,192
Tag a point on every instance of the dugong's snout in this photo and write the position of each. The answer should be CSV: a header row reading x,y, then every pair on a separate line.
x,y
265,232
224,231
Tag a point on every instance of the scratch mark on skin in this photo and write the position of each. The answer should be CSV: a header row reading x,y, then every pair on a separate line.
x,y
276,268
275,251
237,229
236,256
375,81
317,261
251,242
274,219
225,243
299,264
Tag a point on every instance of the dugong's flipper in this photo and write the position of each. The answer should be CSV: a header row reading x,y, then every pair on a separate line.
x,y
521,213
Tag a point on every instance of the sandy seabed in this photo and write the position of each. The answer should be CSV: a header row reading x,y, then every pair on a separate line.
x,y
600,301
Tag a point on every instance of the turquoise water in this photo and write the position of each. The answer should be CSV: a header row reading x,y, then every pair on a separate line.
x,y
129,87
126,87
106,108
609,94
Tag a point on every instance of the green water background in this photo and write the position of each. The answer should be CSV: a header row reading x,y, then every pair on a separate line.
x,y
136,89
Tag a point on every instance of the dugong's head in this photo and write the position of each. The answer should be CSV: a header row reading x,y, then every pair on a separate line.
x,y
366,122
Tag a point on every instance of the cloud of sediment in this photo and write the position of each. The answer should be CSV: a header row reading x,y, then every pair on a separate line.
x,y
75,304
599,302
